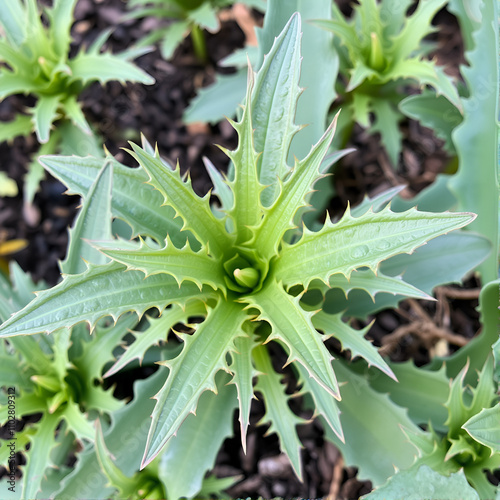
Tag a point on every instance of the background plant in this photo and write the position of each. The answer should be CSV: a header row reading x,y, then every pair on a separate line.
x,y
36,60
187,17
382,55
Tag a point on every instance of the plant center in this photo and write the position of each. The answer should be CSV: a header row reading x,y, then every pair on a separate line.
x,y
244,274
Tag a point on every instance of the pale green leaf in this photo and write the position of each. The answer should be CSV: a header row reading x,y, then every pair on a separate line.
x,y
126,485
221,187
193,210
422,482
206,17
373,284
316,79
13,21
104,67
61,19
93,222
427,73
243,373
100,400
278,413
218,100
359,74
476,183
324,404
21,125
44,113
12,83
86,479
74,112
133,201
292,326
173,35
157,330
183,264
89,297
361,242
435,112
98,350
246,211
77,421
273,106
293,192
192,452
421,391
192,372
417,26
38,457
387,119
375,445
351,339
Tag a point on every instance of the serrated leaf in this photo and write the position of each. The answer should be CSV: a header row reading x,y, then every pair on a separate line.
x,y
157,330
324,404
375,445
435,112
87,297
427,73
11,83
183,466
126,486
192,372
246,210
278,413
292,326
172,36
273,113
351,339
221,187
38,457
74,112
99,350
279,217
243,373
423,482
44,113
387,119
421,391
93,222
89,67
373,284
21,125
193,210
61,16
182,264
361,242
77,421
147,218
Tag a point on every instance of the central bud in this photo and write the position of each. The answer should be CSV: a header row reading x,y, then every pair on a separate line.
x,y
243,273
247,277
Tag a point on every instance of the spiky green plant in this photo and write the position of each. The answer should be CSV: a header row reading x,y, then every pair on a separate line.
x,y
35,60
381,54
245,266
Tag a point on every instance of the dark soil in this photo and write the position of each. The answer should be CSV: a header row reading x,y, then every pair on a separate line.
x,y
119,113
